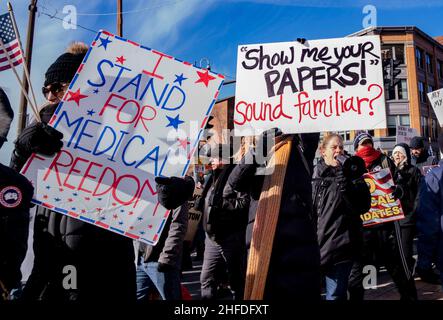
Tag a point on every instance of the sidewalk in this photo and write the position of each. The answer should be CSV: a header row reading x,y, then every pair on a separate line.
x,y
385,290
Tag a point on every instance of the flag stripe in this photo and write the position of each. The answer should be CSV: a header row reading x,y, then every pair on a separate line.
x,y
8,66
9,47
6,62
11,56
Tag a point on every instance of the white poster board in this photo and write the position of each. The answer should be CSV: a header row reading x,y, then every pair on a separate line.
x,y
436,99
321,85
405,134
130,114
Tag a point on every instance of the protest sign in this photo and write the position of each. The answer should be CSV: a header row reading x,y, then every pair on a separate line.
x,y
405,134
426,169
384,207
130,114
436,99
322,85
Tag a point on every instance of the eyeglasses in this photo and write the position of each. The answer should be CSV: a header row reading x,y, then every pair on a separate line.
x,y
55,88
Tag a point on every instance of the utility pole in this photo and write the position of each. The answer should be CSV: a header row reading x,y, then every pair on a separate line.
x,y
119,18
28,54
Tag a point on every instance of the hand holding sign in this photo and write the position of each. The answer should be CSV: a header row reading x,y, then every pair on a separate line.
x,y
130,114
323,85
174,191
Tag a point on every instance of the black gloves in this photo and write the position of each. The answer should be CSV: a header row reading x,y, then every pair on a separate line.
x,y
341,179
163,267
398,192
174,191
39,138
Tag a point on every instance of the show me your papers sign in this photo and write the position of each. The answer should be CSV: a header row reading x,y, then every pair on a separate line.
x,y
321,85
130,114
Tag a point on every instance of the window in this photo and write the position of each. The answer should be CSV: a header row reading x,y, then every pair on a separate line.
x,y
429,63
421,91
434,128
392,125
404,121
346,135
430,88
399,52
419,57
424,126
402,90
440,69
390,93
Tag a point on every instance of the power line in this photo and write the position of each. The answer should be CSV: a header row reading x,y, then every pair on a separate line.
x,y
131,11
53,16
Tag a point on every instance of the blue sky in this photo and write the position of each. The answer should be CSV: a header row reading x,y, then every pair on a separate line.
x,y
195,29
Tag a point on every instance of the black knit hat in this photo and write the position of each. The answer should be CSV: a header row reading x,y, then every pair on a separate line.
x,y
360,138
64,68
417,143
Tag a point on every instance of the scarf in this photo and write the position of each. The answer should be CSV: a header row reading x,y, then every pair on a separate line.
x,y
369,155
266,221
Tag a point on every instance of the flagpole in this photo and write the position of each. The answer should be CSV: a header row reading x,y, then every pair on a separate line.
x,y
2,45
25,66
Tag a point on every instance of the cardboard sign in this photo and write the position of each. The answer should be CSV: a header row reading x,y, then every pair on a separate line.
x,y
130,114
436,99
322,85
405,134
384,207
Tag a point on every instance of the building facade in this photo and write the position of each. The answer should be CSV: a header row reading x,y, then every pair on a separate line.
x,y
421,65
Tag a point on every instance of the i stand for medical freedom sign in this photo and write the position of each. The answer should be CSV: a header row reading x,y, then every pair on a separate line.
x,y
322,85
130,114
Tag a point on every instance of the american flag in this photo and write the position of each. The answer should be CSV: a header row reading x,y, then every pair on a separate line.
x,y
10,41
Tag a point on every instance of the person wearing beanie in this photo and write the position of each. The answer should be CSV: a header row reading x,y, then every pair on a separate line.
x,y
103,261
407,178
225,217
419,156
430,212
62,71
362,138
381,241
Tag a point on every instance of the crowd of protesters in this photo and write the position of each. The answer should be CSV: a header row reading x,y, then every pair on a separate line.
x,y
319,241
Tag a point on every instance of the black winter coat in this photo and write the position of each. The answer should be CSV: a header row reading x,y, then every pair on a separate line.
x,y
104,261
338,209
409,177
294,270
169,248
224,209
15,200
423,160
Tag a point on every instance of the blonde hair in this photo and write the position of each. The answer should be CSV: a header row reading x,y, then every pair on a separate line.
x,y
247,143
328,138
77,47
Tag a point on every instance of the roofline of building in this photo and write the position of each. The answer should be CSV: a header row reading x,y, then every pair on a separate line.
x,y
410,29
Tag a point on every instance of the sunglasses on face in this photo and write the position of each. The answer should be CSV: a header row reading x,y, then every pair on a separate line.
x,y
55,88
